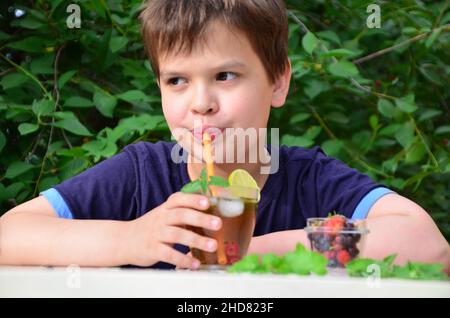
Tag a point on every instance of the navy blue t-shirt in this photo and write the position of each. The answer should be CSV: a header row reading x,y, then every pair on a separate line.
x,y
142,177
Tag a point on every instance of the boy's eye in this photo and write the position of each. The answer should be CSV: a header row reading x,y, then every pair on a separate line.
x,y
226,76
176,81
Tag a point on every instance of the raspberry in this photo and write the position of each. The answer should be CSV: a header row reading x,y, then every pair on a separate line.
x,y
343,257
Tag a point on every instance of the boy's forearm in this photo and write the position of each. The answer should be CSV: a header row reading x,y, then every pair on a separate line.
x,y
414,239
42,240
278,242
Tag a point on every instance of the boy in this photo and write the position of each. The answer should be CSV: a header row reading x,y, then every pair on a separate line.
x,y
222,63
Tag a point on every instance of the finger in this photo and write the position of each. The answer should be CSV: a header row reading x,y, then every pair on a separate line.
x,y
169,255
176,235
188,200
191,217
188,254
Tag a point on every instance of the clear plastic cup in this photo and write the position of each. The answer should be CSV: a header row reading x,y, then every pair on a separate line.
x,y
339,242
236,206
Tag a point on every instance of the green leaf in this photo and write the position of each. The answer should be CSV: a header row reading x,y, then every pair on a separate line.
x,y
203,181
74,126
442,130
16,169
315,87
64,78
28,22
250,263
390,165
290,140
105,103
192,187
415,153
43,64
406,104
358,267
117,43
203,174
13,80
47,183
309,42
133,95
405,135
337,117
434,74
343,69
338,53
78,101
332,147
297,118
420,271
73,167
429,42
373,121
301,262
101,148
2,141
43,107
218,181
385,107
27,128
11,191
330,36
409,30
362,139
429,113
312,132
4,36
390,130
31,44
447,168
65,115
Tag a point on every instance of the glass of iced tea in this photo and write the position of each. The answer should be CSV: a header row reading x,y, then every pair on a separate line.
x,y
236,206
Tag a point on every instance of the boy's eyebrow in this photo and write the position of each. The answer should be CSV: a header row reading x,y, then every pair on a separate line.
x,y
226,65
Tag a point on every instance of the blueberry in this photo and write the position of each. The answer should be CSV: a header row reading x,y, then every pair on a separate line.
x,y
333,263
322,244
353,251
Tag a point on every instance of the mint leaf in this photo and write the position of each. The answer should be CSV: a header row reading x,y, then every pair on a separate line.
x,y
270,262
249,263
301,262
191,187
218,181
421,271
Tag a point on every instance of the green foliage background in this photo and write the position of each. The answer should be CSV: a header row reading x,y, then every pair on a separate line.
x,y
72,97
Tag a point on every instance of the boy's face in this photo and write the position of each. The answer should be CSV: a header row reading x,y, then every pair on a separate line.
x,y
220,84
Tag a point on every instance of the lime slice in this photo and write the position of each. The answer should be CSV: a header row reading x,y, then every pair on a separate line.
x,y
241,178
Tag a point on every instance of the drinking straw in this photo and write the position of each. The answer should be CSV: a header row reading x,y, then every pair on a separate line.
x,y
208,157
221,255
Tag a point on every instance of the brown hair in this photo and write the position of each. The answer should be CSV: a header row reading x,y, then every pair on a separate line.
x,y
178,25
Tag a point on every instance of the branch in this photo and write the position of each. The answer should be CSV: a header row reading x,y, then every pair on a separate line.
x,y
394,47
56,93
6,72
20,68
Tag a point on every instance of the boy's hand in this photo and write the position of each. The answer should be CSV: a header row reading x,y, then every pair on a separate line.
x,y
153,234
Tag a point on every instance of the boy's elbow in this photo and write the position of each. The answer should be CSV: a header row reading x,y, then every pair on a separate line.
x,y
435,247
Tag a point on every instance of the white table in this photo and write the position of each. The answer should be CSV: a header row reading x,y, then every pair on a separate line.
x,y
116,282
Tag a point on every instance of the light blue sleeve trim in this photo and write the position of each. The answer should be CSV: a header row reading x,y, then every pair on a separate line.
x,y
366,203
58,203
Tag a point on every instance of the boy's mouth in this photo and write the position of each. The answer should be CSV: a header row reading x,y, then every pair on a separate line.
x,y
197,132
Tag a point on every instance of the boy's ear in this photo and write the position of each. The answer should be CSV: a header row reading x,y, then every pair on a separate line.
x,y
281,87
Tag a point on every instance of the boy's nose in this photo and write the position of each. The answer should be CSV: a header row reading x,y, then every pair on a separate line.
x,y
203,102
